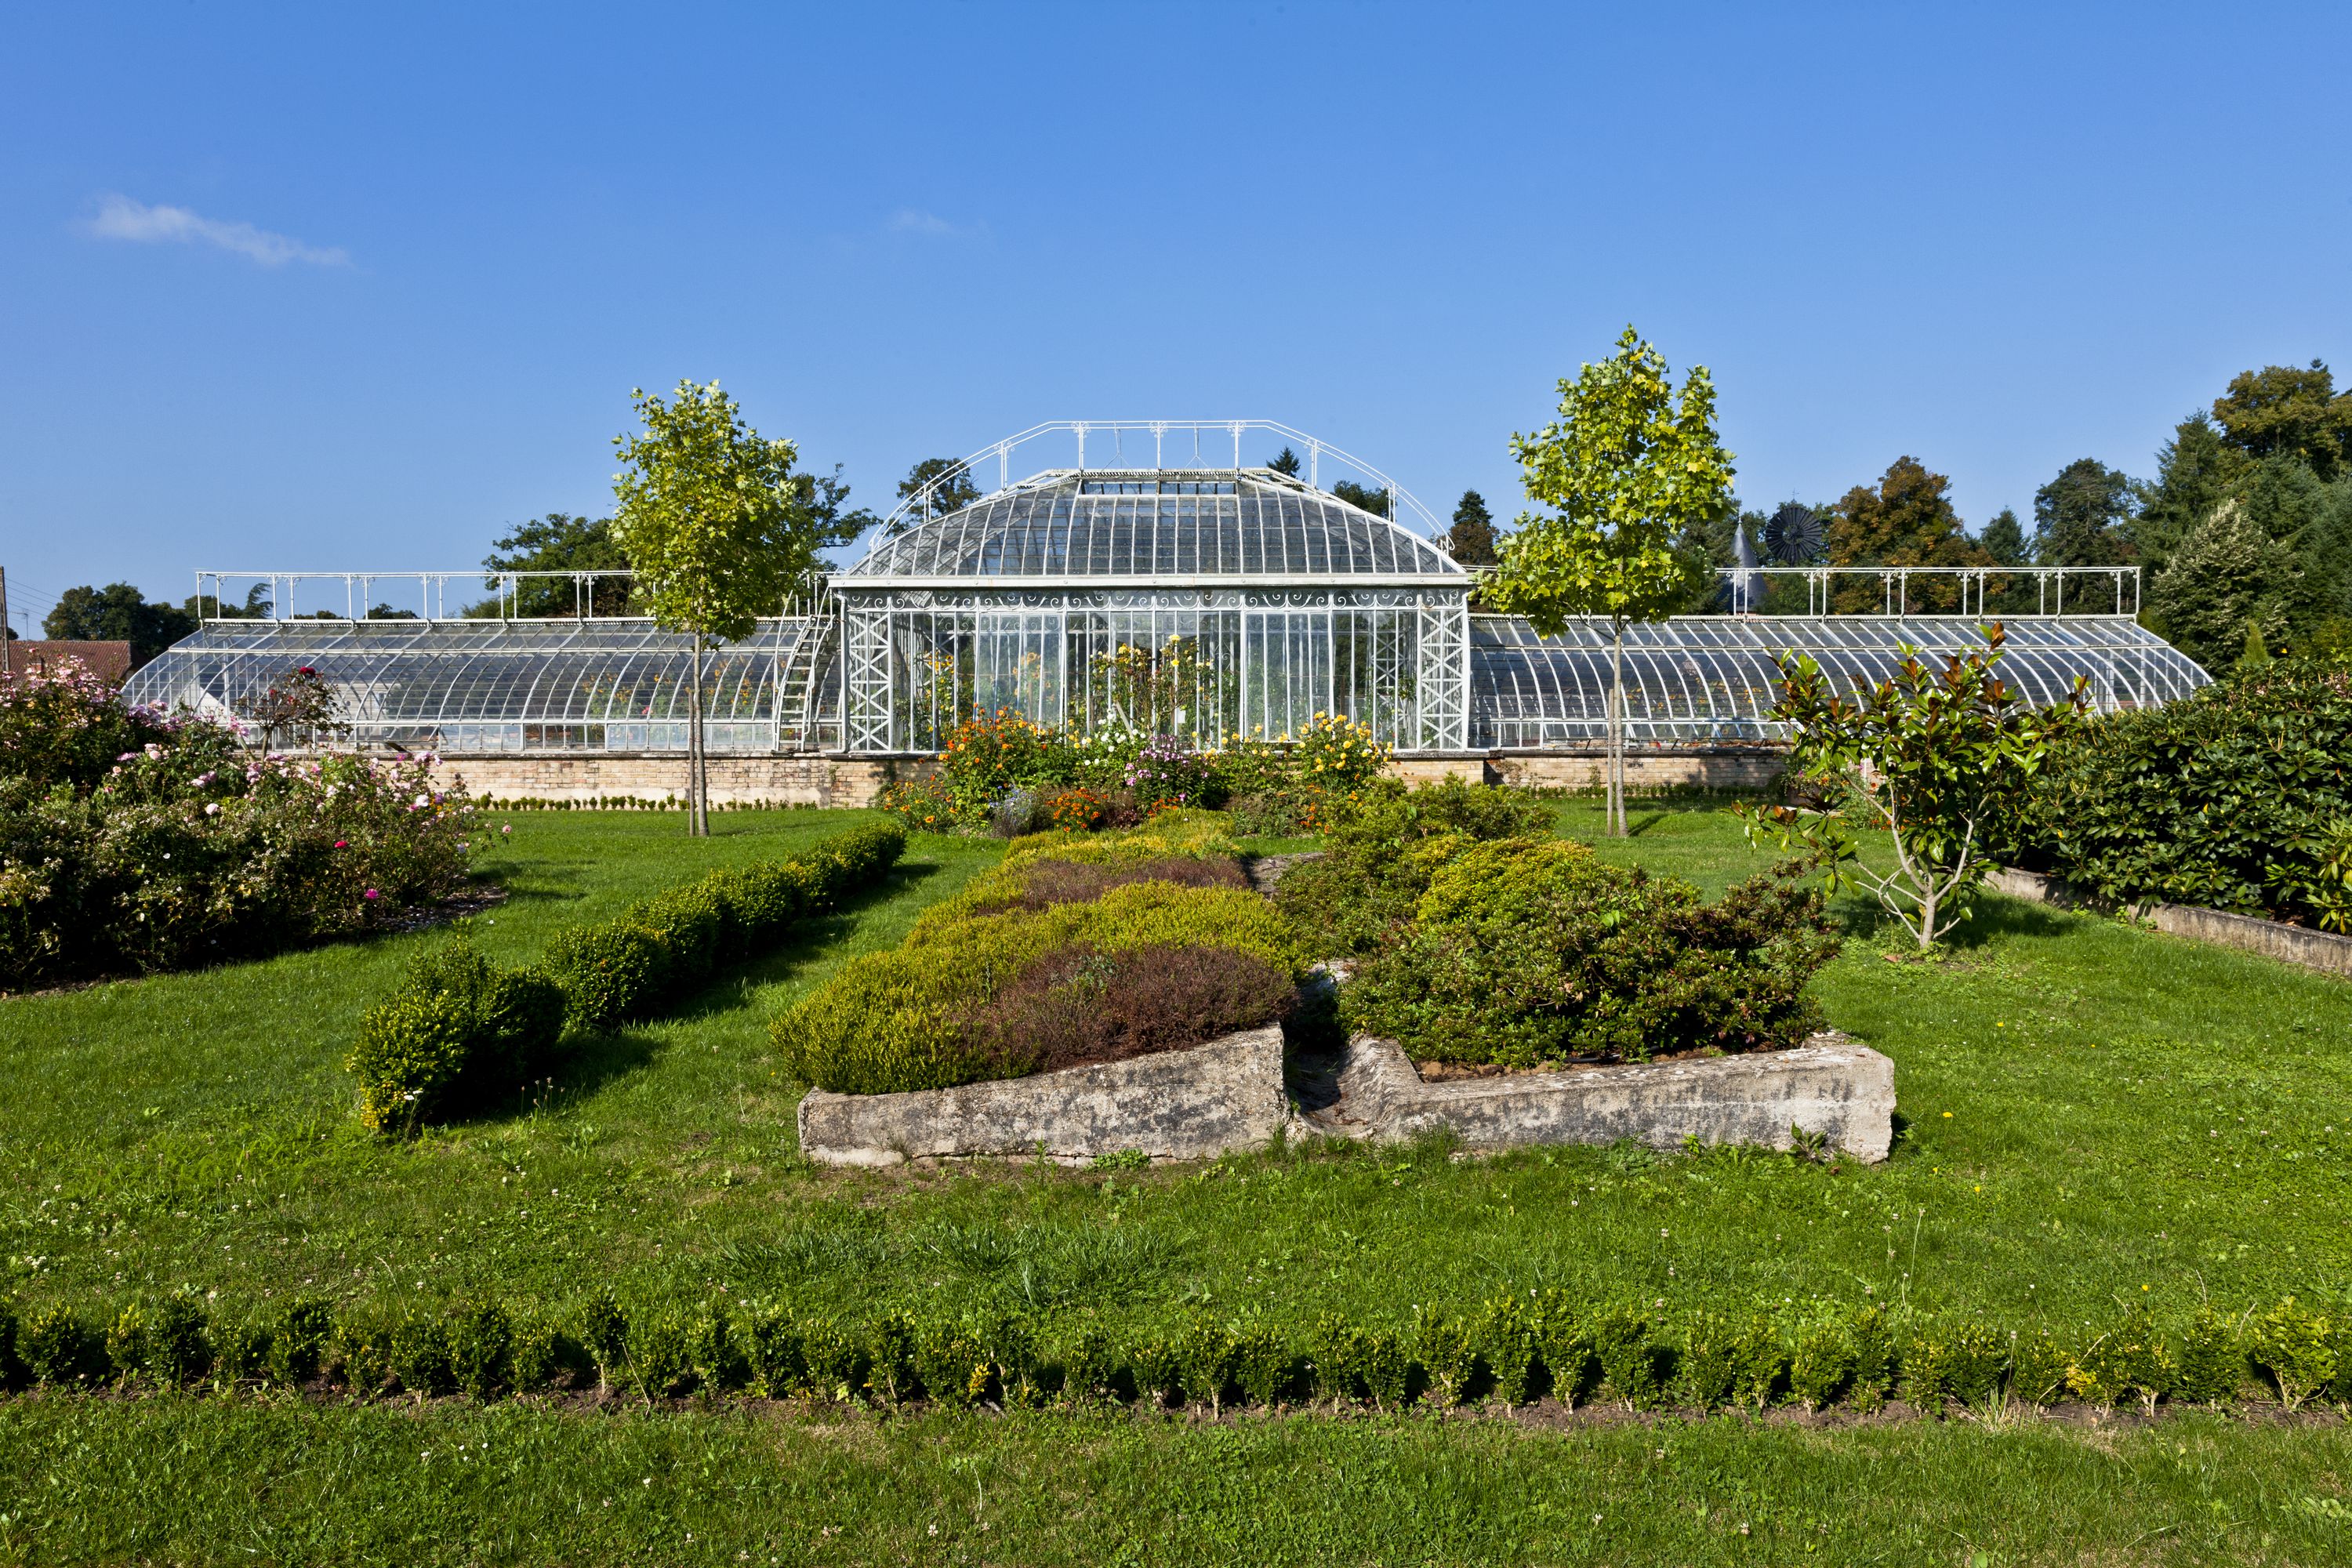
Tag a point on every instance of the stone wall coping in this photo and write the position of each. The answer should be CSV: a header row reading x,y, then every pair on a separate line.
x,y
2324,951
1193,1104
1833,1087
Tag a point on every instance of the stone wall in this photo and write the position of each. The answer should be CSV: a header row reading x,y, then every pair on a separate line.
x,y
816,780
807,780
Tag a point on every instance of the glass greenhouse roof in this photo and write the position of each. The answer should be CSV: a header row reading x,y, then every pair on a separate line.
x,y
491,686
1696,680
1161,526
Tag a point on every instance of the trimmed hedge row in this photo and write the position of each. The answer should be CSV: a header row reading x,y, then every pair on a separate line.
x,y
461,1031
1511,1350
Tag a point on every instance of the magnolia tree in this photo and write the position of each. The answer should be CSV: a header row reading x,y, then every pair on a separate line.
x,y
718,529
1933,758
1625,469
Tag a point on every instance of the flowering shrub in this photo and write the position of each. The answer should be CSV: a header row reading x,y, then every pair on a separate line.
x,y
927,805
1167,772
1077,810
989,754
183,849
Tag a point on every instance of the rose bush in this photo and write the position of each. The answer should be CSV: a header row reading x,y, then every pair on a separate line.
x,y
183,848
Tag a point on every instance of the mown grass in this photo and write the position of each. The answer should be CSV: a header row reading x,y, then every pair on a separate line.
x,y
2090,1114
180,1480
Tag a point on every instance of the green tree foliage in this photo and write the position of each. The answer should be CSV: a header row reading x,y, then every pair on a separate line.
x,y
1375,502
1625,470
1940,761
2003,539
714,520
1907,520
2279,410
2226,573
118,612
1471,540
2081,518
560,542
950,484
2196,471
1285,462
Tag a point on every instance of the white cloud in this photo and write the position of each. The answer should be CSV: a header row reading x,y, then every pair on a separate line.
x,y
120,217
915,220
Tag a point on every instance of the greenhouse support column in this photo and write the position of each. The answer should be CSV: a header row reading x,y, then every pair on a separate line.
x,y
698,823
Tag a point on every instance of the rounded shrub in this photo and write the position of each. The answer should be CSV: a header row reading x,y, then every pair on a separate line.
x,y
609,972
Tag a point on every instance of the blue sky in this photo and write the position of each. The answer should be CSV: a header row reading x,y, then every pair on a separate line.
x,y
320,287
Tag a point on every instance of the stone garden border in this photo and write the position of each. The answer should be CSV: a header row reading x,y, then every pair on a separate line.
x,y
2324,951
1833,1087
1193,1104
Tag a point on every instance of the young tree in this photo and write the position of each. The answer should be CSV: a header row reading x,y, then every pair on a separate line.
x,y
949,481
560,542
1625,470
1937,760
1471,540
1285,462
2080,518
708,517
1907,520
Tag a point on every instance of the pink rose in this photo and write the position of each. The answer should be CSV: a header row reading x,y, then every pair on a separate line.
x,y
369,894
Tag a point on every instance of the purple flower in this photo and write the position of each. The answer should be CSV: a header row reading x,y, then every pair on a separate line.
x,y
371,893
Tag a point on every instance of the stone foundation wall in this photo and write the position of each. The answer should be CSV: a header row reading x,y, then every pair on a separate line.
x,y
816,780
808,780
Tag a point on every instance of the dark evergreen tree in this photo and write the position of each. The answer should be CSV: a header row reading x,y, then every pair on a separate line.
x,y
2196,471
1285,462
2004,539
2080,517
1471,540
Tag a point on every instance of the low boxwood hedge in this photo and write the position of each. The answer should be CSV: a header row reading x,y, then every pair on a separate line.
x,y
1510,1351
461,1032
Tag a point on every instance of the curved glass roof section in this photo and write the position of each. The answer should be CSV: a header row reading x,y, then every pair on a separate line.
x,y
1700,679
1138,523
494,686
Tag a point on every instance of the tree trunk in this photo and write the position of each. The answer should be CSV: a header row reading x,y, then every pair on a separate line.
x,y
697,796
1616,731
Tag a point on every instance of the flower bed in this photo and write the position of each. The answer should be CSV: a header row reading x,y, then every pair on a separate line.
x,y
133,840
1073,951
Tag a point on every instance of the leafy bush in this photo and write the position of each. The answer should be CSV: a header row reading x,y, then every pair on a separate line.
x,y
1522,953
461,1033
180,848
1384,849
1079,1006
2232,799
1166,772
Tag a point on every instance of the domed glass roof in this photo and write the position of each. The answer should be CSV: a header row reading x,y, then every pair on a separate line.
x,y
1140,524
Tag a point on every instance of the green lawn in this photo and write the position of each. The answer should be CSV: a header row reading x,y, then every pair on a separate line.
x,y
2091,1114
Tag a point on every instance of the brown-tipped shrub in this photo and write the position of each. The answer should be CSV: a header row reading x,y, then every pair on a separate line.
x,y
1051,882
1079,1007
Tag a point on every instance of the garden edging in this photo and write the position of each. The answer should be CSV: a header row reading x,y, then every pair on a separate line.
x,y
1194,1104
2324,951
1832,1088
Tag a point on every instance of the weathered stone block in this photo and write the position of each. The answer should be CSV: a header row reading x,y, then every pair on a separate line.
x,y
1831,1087
1191,1104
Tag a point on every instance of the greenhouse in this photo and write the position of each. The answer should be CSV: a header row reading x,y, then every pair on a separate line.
x,y
1218,602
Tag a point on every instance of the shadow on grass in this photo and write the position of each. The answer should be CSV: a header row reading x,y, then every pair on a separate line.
x,y
1862,919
